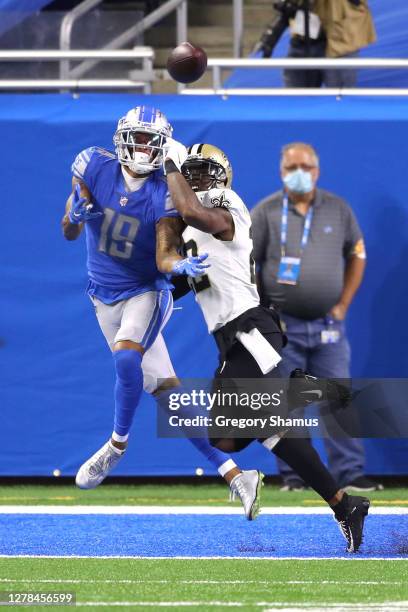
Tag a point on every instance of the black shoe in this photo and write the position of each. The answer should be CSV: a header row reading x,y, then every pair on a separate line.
x,y
294,485
351,520
362,483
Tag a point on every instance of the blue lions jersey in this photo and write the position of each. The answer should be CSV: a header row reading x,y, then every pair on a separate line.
x,y
122,243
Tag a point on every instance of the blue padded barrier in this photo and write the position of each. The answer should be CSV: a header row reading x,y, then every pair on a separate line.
x,y
56,384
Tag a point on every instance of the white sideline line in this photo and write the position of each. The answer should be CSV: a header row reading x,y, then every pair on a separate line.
x,y
199,510
167,604
350,557
214,582
339,607
398,605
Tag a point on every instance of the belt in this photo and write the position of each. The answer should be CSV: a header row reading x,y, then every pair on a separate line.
x,y
296,38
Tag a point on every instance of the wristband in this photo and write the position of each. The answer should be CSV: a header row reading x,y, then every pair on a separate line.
x,y
170,166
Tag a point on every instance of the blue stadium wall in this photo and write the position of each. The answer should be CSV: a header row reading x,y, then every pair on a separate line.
x,y
56,372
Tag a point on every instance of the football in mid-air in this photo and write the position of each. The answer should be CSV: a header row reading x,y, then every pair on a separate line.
x,y
187,63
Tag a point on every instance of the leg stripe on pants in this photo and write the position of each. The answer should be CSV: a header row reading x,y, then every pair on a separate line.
x,y
155,314
159,317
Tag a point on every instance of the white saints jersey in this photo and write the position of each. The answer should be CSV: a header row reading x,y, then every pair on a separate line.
x,y
228,288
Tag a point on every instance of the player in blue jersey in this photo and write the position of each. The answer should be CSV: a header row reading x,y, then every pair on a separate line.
x,y
133,234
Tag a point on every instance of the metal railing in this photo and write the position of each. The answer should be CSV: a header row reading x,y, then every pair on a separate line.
x,y
217,65
298,91
180,6
69,84
146,54
54,55
238,27
67,25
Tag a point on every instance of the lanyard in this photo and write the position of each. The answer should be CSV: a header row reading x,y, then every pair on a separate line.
x,y
284,227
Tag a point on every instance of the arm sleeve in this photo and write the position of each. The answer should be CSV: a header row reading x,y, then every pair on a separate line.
x,y
353,237
259,232
169,209
81,166
163,205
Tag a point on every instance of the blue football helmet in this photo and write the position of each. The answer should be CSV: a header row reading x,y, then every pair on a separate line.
x,y
140,137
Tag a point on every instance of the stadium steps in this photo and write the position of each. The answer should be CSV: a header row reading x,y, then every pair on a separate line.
x,y
210,26
201,36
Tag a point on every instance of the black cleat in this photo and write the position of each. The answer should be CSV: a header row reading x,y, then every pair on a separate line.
x,y
352,522
364,484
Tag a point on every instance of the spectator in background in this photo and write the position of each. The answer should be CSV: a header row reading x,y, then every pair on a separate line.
x,y
311,258
337,29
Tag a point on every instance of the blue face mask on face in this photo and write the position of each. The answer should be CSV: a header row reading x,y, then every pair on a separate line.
x,y
299,181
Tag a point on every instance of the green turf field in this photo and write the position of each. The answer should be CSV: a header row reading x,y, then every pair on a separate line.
x,y
151,583
200,493
204,584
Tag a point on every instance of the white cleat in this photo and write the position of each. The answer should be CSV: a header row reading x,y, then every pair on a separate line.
x,y
247,486
92,472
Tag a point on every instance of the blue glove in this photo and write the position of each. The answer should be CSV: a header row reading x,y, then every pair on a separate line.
x,y
80,208
192,266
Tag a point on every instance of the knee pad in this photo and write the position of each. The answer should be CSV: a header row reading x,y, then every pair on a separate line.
x,y
128,365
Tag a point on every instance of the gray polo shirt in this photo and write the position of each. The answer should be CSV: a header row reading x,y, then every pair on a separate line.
x,y
333,234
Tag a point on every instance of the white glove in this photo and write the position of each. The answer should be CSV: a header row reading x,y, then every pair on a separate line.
x,y
175,151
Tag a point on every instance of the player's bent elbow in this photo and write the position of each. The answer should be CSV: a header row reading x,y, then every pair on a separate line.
x,y
164,263
70,237
191,218
70,232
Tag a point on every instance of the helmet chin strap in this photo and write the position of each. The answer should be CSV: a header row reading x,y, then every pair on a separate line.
x,y
212,185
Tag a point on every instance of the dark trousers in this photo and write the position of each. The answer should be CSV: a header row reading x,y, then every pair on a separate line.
x,y
299,452
306,351
238,364
317,78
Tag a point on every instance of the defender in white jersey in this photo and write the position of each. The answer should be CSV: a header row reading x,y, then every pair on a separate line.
x,y
230,286
199,181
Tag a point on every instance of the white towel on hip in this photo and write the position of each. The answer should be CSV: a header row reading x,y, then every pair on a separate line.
x,y
263,353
